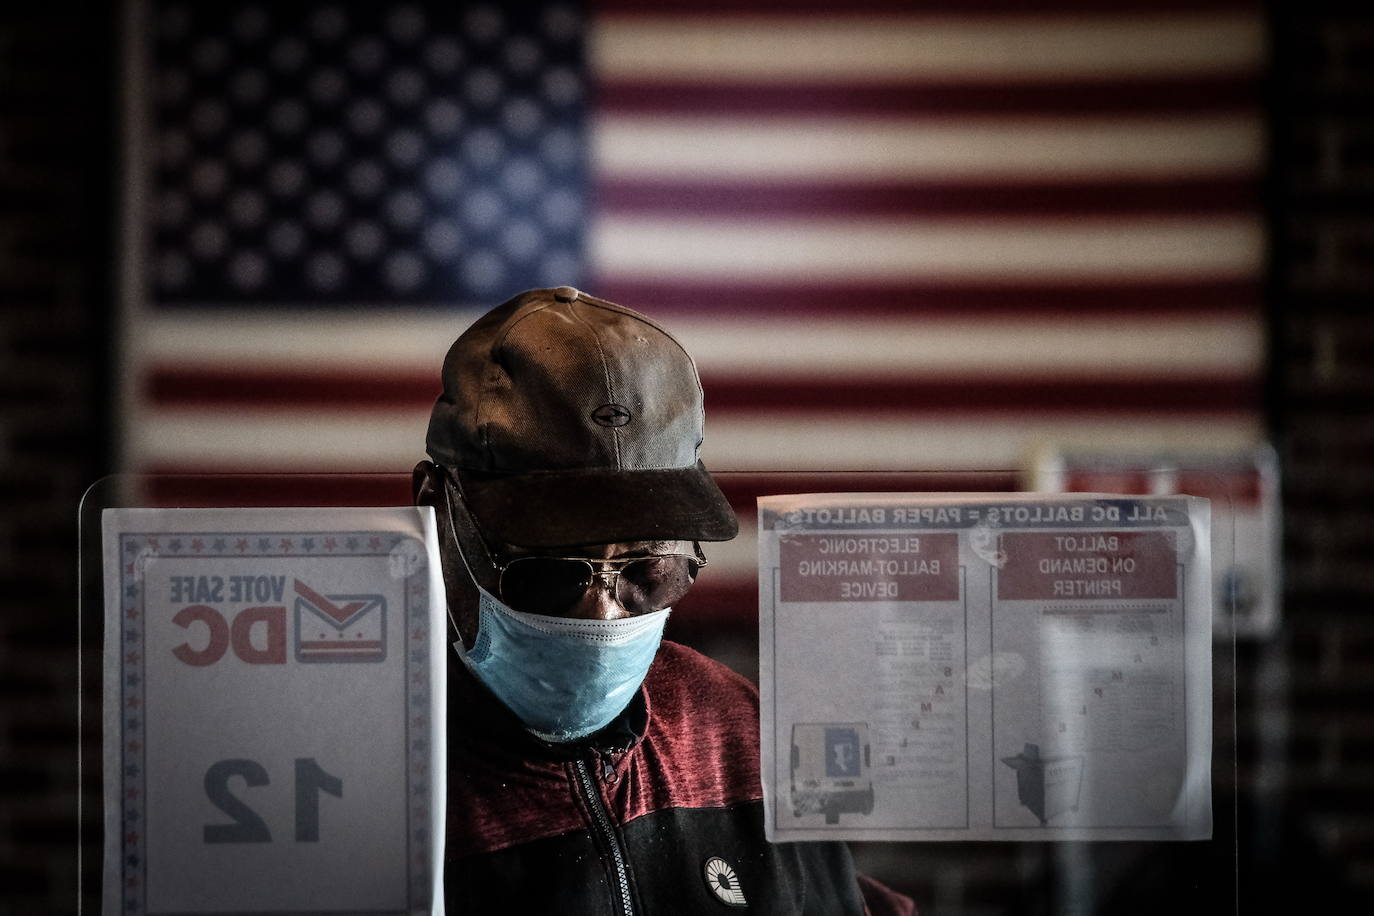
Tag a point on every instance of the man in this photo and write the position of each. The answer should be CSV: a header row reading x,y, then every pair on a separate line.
x,y
591,768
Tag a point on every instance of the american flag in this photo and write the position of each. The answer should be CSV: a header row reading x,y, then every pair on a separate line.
x,y
894,236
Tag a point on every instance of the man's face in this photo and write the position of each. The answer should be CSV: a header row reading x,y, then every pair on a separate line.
x,y
624,579
595,582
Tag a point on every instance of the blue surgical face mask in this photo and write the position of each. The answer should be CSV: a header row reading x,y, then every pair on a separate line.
x,y
564,677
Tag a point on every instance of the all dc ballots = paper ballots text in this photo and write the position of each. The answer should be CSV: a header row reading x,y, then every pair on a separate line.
x,y
985,667
274,711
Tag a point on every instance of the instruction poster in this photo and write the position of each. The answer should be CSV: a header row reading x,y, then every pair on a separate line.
x,y
985,667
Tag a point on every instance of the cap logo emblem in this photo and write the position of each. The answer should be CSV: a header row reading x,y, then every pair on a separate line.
x,y
611,415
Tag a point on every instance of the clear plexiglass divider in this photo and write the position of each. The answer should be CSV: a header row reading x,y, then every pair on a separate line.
x,y
1055,864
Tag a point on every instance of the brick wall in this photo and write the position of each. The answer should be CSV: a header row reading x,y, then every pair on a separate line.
x,y
55,177
1311,750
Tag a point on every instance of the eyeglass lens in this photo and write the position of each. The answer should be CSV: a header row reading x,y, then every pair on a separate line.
x,y
548,585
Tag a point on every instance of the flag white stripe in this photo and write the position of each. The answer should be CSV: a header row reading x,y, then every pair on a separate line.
x,y
686,247
832,347
344,440
287,338
904,443
895,149
737,559
858,49
973,348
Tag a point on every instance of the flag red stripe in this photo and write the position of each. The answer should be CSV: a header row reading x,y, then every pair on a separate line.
x,y
285,389
1164,197
720,603
229,486
962,8
1241,489
806,298
1228,95
915,396
290,389
802,299
741,489
208,485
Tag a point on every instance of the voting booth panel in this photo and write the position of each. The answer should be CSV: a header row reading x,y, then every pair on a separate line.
x,y
271,681
1026,667
273,685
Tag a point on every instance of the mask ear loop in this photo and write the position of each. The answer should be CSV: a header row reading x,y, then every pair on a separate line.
x,y
459,515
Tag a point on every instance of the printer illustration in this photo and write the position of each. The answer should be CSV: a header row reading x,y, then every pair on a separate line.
x,y
1047,786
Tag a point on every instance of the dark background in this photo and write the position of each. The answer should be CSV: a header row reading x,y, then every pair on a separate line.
x,y
1305,697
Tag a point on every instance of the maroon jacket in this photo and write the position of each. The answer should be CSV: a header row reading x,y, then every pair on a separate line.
x,y
633,819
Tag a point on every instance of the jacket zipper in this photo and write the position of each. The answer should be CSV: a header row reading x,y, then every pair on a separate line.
x,y
602,822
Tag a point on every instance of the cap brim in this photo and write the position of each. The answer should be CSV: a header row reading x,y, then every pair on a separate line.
x,y
575,508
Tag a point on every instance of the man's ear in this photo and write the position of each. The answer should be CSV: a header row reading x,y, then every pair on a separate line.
x,y
427,485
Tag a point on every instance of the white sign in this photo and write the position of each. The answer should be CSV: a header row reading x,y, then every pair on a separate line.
x,y
985,667
274,711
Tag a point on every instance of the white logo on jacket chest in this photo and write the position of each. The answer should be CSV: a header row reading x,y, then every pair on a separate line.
x,y
723,882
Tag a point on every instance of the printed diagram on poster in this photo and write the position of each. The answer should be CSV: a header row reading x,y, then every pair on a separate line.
x,y
831,769
274,711
985,667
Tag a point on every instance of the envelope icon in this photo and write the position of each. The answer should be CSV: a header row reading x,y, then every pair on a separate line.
x,y
339,628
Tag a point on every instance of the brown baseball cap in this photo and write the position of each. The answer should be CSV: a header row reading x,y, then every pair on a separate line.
x,y
570,420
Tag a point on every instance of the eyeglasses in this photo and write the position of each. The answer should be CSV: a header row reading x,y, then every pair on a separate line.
x,y
538,584
544,585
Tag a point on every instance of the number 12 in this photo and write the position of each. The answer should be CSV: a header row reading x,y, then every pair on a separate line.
x,y
248,827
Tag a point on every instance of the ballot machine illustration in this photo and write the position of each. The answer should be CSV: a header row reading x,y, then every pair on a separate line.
x,y
831,769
